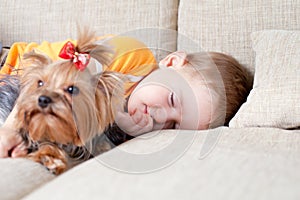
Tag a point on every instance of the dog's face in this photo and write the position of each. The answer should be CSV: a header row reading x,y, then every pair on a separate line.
x,y
60,104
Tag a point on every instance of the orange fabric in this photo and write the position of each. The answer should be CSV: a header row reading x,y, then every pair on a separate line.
x,y
131,57
14,58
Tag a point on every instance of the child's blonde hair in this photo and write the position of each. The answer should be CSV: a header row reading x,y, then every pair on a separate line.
x,y
234,80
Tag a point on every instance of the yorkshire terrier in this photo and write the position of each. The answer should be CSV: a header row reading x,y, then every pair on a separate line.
x,y
63,106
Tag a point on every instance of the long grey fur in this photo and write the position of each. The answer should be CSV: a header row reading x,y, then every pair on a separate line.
x,y
9,92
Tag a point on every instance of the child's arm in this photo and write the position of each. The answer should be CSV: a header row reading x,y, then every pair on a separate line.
x,y
135,124
11,143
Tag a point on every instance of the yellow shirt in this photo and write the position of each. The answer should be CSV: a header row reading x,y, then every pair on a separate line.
x,y
131,56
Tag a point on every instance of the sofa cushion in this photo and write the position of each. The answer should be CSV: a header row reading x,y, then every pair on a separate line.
x,y
56,20
226,25
274,99
20,177
248,163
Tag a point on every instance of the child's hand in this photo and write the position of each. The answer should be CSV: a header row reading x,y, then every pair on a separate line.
x,y
11,144
135,124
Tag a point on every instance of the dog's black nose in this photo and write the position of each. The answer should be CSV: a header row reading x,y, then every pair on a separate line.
x,y
44,101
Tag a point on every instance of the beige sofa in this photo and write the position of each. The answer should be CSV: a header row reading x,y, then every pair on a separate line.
x,y
256,157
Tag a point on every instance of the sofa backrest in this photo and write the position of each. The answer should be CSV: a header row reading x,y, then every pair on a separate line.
x,y
210,25
55,20
226,25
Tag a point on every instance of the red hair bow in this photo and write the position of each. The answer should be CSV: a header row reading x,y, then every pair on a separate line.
x,y
81,60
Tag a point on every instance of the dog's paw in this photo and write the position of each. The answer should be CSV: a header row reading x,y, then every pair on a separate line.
x,y
54,165
51,157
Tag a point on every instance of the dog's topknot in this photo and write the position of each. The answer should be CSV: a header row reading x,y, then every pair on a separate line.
x,y
87,44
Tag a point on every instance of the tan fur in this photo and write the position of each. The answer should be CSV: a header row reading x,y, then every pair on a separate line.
x,y
51,157
68,119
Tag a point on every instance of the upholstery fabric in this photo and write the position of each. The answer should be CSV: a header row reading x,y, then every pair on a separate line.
x,y
274,99
223,163
20,176
248,163
57,20
226,25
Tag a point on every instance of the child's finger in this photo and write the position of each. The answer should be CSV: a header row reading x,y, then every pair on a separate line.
x,y
138,129
148,126
140,118
19,151
137,116
123,119
135,124
144,120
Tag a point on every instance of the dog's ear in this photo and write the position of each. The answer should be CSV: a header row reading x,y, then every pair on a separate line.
x,y
35,59
109,95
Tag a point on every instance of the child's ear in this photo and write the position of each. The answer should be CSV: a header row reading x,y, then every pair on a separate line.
x,y
175,59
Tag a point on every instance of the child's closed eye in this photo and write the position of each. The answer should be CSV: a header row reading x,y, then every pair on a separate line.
x,y
171,99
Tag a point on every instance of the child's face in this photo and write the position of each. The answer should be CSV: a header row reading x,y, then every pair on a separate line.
x,y
175,98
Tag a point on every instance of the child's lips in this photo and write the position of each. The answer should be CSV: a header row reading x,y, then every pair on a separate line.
x,y
146,109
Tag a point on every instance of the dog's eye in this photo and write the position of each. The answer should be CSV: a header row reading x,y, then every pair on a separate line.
x,y
40,83
73,90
